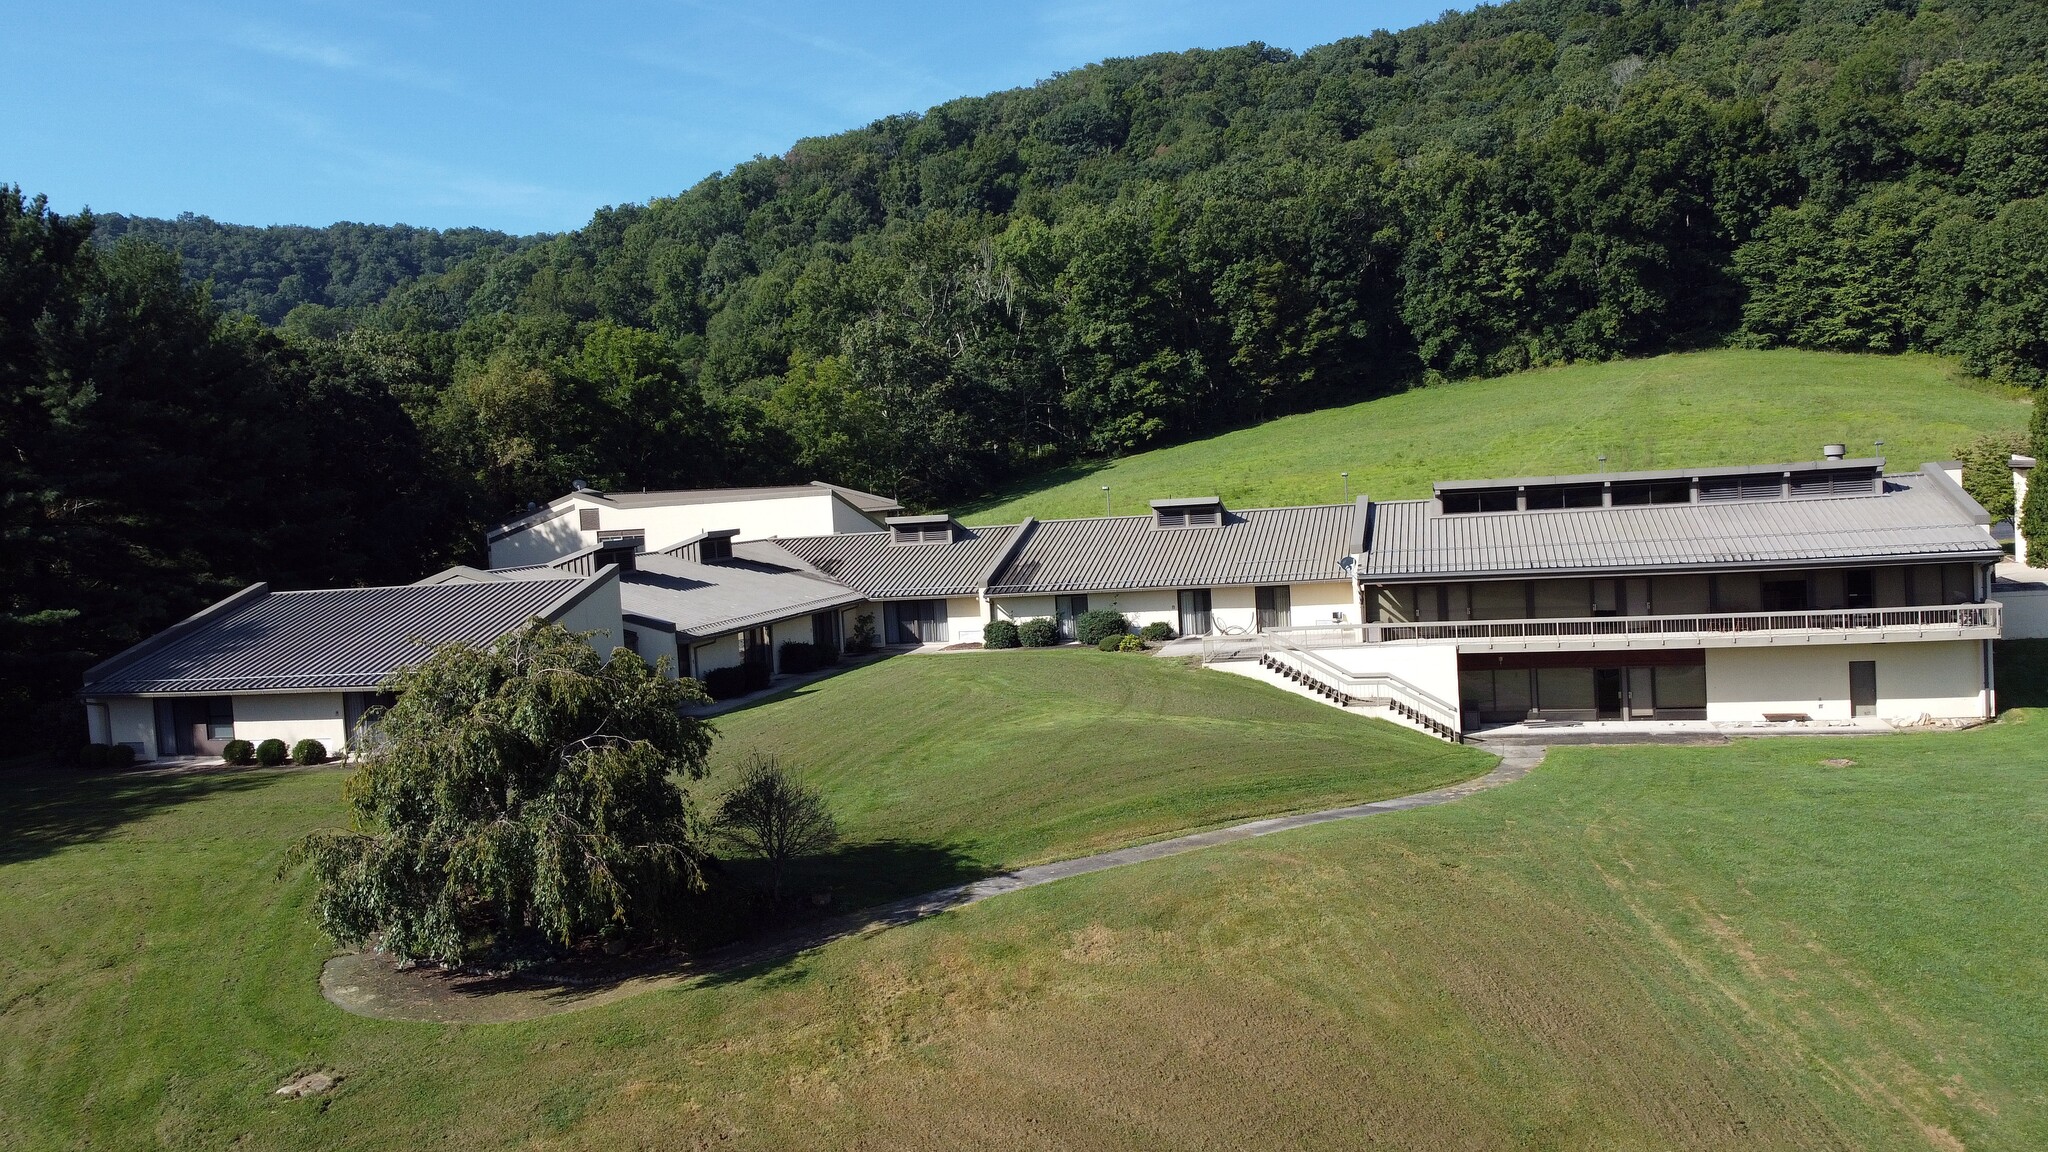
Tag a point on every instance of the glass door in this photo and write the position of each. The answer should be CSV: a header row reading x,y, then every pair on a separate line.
x,y
1194,612
1275,606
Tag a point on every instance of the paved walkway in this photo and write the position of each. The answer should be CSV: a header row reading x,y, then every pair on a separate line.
x,y
370,985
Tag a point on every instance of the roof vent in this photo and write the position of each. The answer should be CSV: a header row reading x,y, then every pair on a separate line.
x,y
1188,512
934,529
704,547
1834,451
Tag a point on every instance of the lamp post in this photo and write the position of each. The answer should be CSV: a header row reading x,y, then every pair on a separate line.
x,y
1105,500
1347,486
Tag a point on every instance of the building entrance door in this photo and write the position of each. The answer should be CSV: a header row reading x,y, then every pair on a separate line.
x,y
1608,693
1862,687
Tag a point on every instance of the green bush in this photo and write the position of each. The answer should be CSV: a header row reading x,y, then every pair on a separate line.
x,y
1091,627
999,634
725,683
798,657
106,756
1038,633
756,675
271,752
1110,644
1129,644
864,638
1156,631
309,751
238,752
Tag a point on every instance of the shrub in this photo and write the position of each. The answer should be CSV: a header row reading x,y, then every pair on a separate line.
x,y
1091,627
1109,644
1038,634
864,638
774,815
238,752
798,657
106,756
725,683
1156,631
309,751
756,676
271,752
999,634
1128,643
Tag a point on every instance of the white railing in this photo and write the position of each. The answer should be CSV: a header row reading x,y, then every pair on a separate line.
x,y
1946,618
1291,646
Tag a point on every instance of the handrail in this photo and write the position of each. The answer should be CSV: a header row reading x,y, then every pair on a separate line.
x,y
1377,685
1984,615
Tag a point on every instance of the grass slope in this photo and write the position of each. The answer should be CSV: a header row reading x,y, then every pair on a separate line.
x,y
1702,408
945,767
1634,948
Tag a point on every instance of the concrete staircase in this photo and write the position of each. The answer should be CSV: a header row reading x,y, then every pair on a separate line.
x,y
1293,677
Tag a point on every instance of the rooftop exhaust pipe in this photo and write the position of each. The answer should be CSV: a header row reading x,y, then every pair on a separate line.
x,y
1834,451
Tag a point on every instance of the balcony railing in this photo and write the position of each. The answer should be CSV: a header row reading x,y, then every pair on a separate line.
x,y
1710,627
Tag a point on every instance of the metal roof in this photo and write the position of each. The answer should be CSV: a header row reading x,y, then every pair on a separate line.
x,y
871,563
863,501
338,638
706,600
1915,516
1252,546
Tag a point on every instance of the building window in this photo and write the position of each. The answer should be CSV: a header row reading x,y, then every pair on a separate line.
x,y
714,548
1661,492
1066,610
1274,605
1195,618
1478,500
220,718
632,641
915,621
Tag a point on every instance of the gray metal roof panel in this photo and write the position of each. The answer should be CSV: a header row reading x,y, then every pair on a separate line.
x,y
1252,546
340,638
871,563
703,600
1912,518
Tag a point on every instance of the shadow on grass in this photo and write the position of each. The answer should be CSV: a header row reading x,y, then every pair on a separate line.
x,y
802,687
48,808
2021,671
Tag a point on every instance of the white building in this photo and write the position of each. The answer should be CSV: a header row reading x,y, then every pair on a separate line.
x,y
586,518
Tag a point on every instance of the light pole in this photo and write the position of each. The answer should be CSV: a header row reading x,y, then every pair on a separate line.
x,y
1105,500
1347,486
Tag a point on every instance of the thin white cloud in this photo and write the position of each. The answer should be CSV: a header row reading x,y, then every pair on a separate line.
x,y
299,48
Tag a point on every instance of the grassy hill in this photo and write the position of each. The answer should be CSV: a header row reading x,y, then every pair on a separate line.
x,y
1701,408
1800,943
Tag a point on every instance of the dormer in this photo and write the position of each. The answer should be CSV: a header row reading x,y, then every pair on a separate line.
x,y
704,547
1188,512
934,529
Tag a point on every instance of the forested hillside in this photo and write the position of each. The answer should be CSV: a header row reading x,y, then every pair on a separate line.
x,y
1133,253
269,271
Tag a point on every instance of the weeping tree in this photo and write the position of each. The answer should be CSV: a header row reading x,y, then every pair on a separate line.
x,y
521,794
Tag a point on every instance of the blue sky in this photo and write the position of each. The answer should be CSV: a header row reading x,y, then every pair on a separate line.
x,y
517,116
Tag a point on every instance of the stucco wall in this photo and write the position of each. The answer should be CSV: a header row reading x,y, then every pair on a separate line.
x,y
657,645
963,620
292,717
1141,608
1430,667
1314,603
598,612
807,514
1942,679
1022,607
2026,613
723,652
132,720
1234,608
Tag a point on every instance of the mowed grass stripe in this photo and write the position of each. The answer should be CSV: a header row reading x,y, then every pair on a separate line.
x,y
1683,410
1633,948
968,763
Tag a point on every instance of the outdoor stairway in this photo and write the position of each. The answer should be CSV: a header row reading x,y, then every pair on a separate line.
x,y
1280,673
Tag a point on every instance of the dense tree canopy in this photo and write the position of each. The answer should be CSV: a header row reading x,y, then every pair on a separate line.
x,y
525,794
1137,251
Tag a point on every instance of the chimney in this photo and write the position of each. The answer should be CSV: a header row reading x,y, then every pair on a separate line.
x,y
1834,451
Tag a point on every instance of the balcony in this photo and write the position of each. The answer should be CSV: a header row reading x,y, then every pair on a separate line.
x,y
1706,630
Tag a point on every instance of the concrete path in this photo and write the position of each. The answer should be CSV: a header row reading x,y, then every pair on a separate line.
x,y
369,985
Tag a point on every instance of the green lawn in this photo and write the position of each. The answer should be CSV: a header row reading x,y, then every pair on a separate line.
x,y
1732,947
1701,408
946,767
